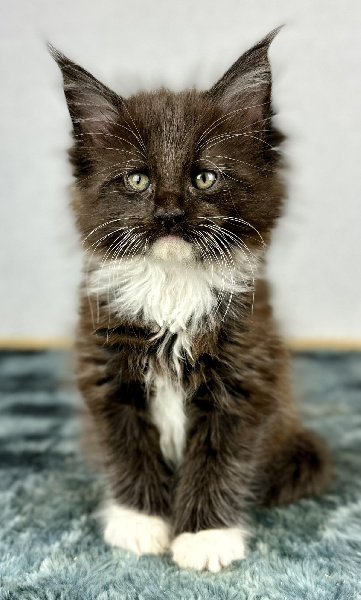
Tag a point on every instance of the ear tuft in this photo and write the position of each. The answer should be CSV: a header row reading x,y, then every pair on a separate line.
x,y
57,56
246,86
92,106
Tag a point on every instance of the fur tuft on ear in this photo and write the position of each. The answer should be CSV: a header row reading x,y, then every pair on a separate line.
x,y
92,106
246,86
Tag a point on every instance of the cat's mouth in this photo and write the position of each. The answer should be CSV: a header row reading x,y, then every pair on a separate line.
x,y
172,248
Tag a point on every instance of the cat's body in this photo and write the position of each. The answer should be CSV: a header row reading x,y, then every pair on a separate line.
x,y
179,361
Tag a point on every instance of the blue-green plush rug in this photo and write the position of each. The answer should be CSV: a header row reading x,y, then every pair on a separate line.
x,y
50,544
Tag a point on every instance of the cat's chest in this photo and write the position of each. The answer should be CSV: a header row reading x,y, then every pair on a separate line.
x,y
167,409
174,301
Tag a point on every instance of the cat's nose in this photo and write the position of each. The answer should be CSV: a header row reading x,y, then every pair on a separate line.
x,y
169,216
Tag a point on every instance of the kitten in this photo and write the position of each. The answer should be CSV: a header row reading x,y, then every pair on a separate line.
x,y
179,360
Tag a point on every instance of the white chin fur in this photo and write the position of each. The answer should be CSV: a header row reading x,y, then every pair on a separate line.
x,y
210,549
131,530
172,248
168,294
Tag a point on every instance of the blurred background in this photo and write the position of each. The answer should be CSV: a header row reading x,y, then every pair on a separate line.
x,y
314,262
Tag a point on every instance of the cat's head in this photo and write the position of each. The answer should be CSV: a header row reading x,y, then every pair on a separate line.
x,y
176,175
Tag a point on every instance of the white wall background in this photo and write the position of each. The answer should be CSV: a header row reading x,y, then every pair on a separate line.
x,y
314,263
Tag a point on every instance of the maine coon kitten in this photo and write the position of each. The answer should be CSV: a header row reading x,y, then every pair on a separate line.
x,y
179,361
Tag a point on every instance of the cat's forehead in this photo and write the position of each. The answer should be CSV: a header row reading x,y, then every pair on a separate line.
x,y
171,123
170,110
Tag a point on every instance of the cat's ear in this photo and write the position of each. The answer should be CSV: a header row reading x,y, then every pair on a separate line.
x,y
246,86
92,106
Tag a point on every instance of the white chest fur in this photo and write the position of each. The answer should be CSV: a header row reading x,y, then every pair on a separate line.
x,y
167,412
170,296
163,293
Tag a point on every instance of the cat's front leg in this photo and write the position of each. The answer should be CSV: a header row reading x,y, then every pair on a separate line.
x,y
209,503
136,516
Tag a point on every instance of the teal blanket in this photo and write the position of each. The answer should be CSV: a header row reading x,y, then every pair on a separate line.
x,y
50,544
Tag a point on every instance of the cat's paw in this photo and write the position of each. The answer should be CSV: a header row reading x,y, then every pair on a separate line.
x,y
131,530
210,549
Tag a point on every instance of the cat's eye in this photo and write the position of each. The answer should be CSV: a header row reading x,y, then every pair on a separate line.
x,y
204,180
138,181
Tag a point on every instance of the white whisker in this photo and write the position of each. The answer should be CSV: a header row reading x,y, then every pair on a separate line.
x,y
241,161
240,221
224,137
79,135
227,116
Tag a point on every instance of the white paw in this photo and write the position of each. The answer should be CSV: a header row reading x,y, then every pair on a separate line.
x,y
131,530
210,549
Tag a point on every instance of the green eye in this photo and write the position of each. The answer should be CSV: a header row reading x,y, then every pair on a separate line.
x,y
138,181
204,180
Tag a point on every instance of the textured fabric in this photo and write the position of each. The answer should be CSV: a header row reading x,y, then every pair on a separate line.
x,y
50,543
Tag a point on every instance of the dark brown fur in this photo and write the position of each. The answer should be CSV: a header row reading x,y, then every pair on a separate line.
x,y
245,442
